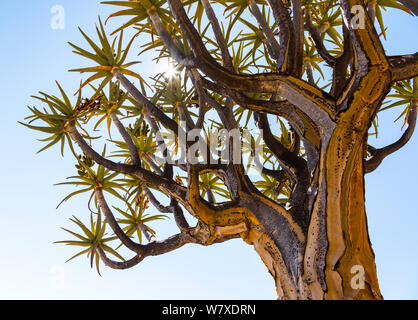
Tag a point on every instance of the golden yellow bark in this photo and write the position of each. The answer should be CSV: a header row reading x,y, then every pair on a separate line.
x,y
347,234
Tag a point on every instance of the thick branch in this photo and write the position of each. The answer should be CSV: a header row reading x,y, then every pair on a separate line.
x,y
297,91
272,46
380,154
92,154
128,139
367,46
319,43
178,55
279,175
309,73
404,67
202,99
156,203
181,221
298,37
370,62
295,167
117,264
159,182
308,127
371,9
284,22
149,106
111,220
411,5
153,248
339,78
220,39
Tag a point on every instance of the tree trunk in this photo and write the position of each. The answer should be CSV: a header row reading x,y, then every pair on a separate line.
x,y
338,259
349,246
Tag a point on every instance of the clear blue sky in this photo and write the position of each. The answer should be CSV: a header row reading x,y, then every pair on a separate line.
x,y
32,267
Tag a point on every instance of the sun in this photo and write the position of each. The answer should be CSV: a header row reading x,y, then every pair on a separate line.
x,y
171,71
167,68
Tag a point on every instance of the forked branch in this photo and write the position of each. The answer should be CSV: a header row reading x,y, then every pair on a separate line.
x,y
379,155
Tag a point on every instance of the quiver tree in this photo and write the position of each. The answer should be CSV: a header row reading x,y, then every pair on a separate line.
x,y
308,76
